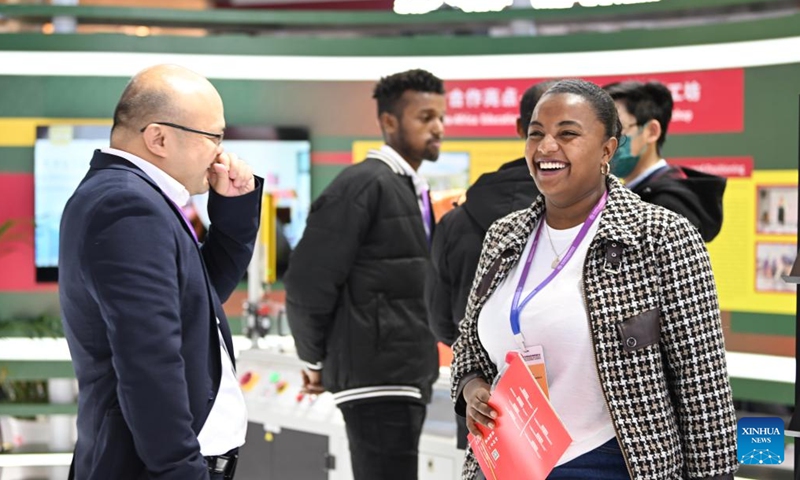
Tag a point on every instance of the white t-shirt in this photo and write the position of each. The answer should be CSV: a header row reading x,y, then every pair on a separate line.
x,y
556,318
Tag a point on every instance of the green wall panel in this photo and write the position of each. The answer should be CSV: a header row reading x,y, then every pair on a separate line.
x,y
33,409
28,304
338,144
321,176
763,324
694,145
35,370
419,45
93,97
762,391
16,159
771,115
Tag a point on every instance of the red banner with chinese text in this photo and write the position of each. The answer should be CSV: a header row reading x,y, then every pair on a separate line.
x,y
705,102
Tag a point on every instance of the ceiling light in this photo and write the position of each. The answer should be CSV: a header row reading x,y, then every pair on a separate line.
x,y
480,5
141,31
470,6
416,7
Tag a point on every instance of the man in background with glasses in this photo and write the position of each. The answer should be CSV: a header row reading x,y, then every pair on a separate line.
x,y
645,110
142,300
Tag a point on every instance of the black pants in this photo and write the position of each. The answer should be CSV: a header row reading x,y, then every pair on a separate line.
x,y
384,439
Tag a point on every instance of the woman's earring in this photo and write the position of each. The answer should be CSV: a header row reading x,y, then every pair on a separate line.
x,y
605,169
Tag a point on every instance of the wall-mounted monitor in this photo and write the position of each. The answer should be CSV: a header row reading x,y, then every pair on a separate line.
x,y
61,157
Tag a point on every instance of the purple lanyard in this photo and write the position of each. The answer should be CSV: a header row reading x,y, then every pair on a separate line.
x,y
426,212
186,220
516,306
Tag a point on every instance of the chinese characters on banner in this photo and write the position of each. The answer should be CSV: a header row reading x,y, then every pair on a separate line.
x,y
705,102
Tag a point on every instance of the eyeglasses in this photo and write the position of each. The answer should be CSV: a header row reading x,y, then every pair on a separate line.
x,y
215,137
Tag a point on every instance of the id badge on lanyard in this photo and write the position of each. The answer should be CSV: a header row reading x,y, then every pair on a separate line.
x,y
534,359
534,356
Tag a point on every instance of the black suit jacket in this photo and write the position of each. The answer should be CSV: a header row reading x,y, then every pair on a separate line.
x,y
139,301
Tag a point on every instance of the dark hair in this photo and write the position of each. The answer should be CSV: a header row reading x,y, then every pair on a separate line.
x,y
389,89
645,101
601,102
529,100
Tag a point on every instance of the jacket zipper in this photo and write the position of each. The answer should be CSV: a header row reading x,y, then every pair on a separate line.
x,y
597,371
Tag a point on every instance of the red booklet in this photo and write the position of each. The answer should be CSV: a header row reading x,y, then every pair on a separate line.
x,y
528,437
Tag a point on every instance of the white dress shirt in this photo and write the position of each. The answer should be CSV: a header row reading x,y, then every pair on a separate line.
x,y
226,425
656,166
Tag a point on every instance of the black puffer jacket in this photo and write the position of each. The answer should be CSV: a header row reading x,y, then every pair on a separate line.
x,y
459,236
354,288
693,194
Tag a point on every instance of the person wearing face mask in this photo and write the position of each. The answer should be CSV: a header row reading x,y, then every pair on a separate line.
x,y
618,296
645,110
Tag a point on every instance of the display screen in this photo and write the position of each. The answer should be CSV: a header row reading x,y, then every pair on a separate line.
x,y
61,158
449,172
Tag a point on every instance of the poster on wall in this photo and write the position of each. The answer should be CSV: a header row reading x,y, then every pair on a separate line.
x,y
757,243
776,208
773,261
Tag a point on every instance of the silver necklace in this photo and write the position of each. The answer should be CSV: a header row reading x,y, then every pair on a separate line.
x,y
553,247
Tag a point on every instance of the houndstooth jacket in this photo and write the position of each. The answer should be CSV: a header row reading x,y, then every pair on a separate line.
x,y
655,323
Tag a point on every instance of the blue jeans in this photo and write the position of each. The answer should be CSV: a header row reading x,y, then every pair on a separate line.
x,y
603,463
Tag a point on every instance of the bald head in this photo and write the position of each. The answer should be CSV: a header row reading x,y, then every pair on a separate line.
x,y
172,118
163,93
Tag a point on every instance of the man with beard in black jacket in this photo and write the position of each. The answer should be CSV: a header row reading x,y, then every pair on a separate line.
x,y
354,287
459,236
645,110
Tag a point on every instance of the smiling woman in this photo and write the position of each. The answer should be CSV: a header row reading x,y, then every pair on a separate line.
x,y
571,139
610,298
